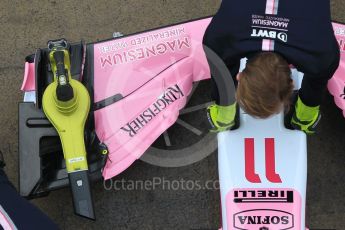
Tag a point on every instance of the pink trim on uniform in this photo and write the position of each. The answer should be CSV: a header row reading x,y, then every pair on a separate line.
x,y
272,7
267,45
5,221
269,6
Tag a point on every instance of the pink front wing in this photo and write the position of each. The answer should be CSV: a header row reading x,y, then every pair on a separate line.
x,y
336,85
160,67
29,77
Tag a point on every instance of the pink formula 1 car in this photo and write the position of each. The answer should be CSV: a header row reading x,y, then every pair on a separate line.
x,y
139,85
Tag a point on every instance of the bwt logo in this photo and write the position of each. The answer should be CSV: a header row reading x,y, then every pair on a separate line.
x,y
263,218
261,33
282,36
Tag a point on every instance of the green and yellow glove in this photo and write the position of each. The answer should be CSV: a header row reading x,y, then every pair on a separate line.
x,y
221,118
305,118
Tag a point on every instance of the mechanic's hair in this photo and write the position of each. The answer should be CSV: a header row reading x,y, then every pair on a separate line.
x,y
265,85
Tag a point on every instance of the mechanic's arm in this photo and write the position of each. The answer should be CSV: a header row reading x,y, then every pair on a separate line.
x,y
18,213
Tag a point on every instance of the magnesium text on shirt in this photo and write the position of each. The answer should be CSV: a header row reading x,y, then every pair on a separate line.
x,y
171,95
270,27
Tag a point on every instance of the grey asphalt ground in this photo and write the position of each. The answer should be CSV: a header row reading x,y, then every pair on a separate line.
x,y
27,25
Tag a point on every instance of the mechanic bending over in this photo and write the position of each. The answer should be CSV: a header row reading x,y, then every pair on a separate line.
x,y
273,34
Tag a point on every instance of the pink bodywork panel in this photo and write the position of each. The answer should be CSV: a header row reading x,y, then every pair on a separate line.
x,y
336,85
155,64
29,77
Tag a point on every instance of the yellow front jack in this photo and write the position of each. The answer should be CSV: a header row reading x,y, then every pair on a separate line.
x,y
66,103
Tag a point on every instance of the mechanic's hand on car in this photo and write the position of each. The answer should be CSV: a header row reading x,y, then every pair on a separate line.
x,y
221,118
